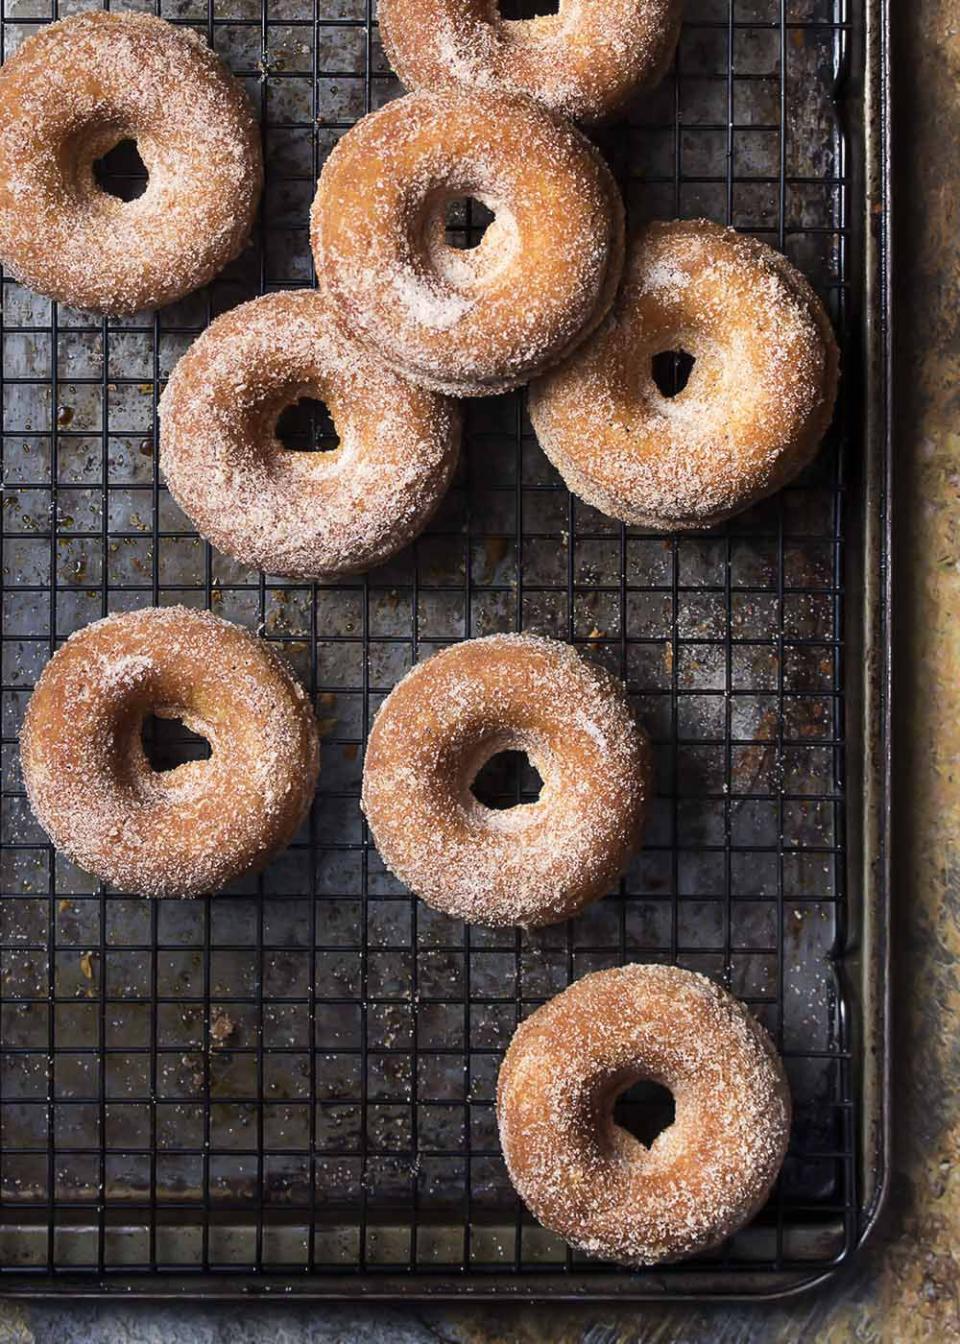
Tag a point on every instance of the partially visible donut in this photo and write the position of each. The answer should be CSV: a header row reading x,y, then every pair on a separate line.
x,y
301,514
72,93
591,1181
533,864
584,62
757,403
468,322
192,829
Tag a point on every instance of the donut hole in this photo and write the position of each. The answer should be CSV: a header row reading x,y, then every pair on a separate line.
x,y
508,779
121,172
169,743
465,237
645,1110
527,9
466,220
306,426
671,370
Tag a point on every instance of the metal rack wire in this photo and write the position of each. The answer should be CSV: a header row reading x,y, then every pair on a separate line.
x,y
296,1078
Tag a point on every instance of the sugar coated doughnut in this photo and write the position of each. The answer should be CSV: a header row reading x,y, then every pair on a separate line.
x,y
585,61
480,320
301,514
72,93
758,400
592,1182
184,831
531,864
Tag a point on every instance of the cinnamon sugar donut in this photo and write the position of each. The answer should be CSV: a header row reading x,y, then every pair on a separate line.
x,y
301,514
759,397
592,1182
532,864
73,92
468,322
185,831
584,61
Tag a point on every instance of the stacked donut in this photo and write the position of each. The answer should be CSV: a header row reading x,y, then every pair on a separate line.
x,y
402,321
400,325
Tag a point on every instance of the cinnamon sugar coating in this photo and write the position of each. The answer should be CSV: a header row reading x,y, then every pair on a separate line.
x,y
190,830
592,1182
73,92
301,514
584,62
533,864
759,397
483,320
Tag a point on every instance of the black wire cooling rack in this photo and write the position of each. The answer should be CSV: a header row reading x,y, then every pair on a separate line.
x,y
291,1085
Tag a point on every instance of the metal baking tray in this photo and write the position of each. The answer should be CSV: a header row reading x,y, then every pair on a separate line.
x,y
288,1088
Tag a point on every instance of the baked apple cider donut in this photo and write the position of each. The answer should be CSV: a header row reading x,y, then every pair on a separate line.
x,y
584,62
468,321
589,1180
189,830
756,405
301,514
75,91
533,864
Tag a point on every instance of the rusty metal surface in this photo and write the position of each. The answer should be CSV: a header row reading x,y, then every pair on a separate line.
x,y
156,1153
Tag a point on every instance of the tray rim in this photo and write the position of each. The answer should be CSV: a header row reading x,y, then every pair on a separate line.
x,y
872,859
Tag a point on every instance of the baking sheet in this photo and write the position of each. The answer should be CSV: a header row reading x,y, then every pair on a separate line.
x,y
290,1086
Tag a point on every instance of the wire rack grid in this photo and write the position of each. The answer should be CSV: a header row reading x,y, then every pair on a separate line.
x,y
295,1078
